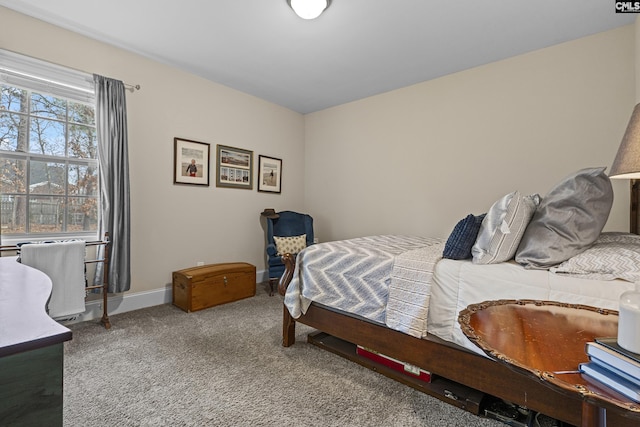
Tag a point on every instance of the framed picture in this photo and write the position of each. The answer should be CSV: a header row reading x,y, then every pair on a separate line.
x,y
269,174
191,162
234,167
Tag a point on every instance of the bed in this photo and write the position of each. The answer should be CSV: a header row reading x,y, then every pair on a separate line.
x,y
398,296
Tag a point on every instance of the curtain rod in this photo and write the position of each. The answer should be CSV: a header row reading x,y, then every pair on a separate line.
x,y
129,87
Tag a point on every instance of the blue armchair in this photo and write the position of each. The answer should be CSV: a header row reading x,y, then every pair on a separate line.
x,y
287,224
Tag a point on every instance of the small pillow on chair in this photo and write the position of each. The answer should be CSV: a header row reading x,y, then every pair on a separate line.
x,y
290,245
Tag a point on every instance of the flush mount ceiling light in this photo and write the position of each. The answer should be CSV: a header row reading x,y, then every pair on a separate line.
x,y
309,9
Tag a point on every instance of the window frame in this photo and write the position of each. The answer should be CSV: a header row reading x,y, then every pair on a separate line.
x,y
40,77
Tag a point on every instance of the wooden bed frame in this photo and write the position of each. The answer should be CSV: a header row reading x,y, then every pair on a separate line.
x,y
453,365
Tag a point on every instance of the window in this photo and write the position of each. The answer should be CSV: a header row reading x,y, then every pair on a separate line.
x,y
48,151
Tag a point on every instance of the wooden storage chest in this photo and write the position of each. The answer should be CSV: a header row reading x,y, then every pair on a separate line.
x,y
202,287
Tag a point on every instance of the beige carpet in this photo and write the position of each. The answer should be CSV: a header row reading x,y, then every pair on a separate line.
x,y
224,366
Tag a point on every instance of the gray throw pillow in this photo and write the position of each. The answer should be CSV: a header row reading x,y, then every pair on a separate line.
x,y
503,227
568,221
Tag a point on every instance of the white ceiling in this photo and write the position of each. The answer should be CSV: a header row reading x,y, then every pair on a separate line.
x,y
357,48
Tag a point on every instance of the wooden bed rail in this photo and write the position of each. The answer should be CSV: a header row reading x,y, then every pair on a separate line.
x,y
288,322
105,276
289,265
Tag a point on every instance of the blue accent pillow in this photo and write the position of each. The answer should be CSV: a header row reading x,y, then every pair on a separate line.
x,y
463,237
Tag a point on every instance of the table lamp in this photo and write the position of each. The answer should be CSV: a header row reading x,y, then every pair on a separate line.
x,y
627,166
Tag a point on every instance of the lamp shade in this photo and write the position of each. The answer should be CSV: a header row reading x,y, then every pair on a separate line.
x,y
627,161
308,9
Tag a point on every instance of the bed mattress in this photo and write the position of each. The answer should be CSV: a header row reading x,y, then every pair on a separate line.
x,y
457,284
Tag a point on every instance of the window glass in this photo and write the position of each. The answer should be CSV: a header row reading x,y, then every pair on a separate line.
x,y
13,214
81,114
82,213
9,125
83,180
13,173
48,164
47,137
48,106
82,142
46,214
13,99
47,178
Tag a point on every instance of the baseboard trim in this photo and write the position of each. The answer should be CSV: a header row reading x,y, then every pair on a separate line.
x,y
122,303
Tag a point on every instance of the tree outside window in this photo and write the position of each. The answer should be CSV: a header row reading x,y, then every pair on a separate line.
x,y
48,164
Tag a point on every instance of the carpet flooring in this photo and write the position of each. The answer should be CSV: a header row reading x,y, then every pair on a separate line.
x,y
225,366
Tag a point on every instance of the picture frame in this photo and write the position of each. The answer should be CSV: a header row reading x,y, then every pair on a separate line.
x,y
234,167
269,174
191,162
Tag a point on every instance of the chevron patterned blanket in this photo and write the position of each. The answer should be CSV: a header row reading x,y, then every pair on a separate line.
x,y
614,255
363,275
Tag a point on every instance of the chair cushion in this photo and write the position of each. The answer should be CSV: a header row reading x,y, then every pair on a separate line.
x,y
290,245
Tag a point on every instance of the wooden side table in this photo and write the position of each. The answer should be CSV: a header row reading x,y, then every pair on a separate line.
x,y
546,339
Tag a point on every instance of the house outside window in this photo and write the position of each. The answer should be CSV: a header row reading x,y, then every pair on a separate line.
x,y
48,152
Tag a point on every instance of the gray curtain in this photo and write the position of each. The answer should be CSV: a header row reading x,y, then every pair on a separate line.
x,y
111,126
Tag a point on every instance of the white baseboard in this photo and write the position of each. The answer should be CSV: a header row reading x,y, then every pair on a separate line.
x,y
122,303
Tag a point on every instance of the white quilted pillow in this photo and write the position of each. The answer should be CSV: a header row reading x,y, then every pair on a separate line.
x,y
290,245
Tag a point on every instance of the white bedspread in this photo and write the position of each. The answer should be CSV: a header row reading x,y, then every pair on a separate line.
x,y
457,284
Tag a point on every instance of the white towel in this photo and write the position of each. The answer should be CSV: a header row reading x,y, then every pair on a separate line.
x,y
63,262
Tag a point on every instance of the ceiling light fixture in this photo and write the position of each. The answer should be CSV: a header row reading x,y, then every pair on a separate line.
x,y
309,9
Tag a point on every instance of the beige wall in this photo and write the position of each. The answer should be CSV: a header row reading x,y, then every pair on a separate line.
x,y
411,161
174,226
418,159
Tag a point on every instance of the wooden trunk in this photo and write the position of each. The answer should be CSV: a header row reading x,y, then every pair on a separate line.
x,y
202,287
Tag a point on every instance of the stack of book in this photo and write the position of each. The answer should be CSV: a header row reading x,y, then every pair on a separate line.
x,y
613,366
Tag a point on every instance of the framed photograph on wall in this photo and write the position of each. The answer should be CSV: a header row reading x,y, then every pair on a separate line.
x,y
269,174
234,167
190,162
